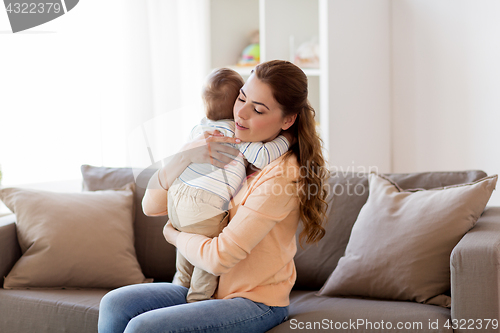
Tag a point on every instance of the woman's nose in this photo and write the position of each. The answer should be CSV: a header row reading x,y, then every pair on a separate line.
x,y
243,112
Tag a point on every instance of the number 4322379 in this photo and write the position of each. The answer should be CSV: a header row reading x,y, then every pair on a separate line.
x,y
33,8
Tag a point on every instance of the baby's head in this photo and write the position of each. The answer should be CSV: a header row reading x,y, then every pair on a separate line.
x,y
220,92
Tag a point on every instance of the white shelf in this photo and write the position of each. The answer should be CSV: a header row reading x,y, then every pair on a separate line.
x,y
247,70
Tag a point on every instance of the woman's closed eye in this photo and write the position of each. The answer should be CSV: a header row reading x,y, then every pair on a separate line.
x,y
243,101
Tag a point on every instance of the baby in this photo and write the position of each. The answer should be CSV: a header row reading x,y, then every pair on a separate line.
x,y
199,198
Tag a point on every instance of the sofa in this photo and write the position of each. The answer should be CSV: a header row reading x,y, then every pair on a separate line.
x,y
474,265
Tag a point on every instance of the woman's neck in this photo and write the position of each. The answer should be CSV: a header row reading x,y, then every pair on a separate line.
x,y
251,169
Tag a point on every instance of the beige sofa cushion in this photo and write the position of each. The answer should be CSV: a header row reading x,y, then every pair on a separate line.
x,y
401,242
72,240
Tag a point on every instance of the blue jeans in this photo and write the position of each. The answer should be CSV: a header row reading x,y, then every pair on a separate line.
x,y
162,307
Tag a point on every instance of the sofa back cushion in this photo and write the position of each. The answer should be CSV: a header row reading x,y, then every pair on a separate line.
x,y
155,255
348,192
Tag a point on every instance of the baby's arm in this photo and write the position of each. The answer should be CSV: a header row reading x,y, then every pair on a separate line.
x,y
200,129
261,154
196,131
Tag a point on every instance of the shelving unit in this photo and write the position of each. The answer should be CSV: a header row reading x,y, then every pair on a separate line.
x,y
351,90
233,21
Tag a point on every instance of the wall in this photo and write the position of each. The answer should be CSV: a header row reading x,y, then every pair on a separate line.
x,y
356,91
445,86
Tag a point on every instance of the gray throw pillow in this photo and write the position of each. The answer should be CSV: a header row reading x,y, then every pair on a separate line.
x,y
348,192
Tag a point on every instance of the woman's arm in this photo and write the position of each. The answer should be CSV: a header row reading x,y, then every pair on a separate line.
x,y
154,202
206,148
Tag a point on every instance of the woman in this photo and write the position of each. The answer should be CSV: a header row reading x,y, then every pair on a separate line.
x,y
254,254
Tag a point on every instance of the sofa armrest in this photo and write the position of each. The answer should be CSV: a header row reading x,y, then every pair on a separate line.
x,y
10,251
475,274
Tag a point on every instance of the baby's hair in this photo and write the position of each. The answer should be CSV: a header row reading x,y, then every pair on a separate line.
x,y
220,92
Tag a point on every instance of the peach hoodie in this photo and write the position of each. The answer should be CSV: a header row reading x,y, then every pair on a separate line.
x,y
254,253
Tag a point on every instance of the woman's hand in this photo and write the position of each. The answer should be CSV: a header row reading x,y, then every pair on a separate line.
x,y
170,233
208,148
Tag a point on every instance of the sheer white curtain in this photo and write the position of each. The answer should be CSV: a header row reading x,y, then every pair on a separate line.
x,y
171,68
79,89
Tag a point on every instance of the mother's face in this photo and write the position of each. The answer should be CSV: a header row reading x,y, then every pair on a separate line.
x,y
258,116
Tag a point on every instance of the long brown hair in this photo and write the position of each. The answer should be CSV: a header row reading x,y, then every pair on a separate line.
x,y
289,85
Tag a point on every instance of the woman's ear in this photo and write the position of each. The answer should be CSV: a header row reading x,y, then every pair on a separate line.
x,y
289,120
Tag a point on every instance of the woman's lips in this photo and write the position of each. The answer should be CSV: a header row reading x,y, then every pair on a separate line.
x,y
238,126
